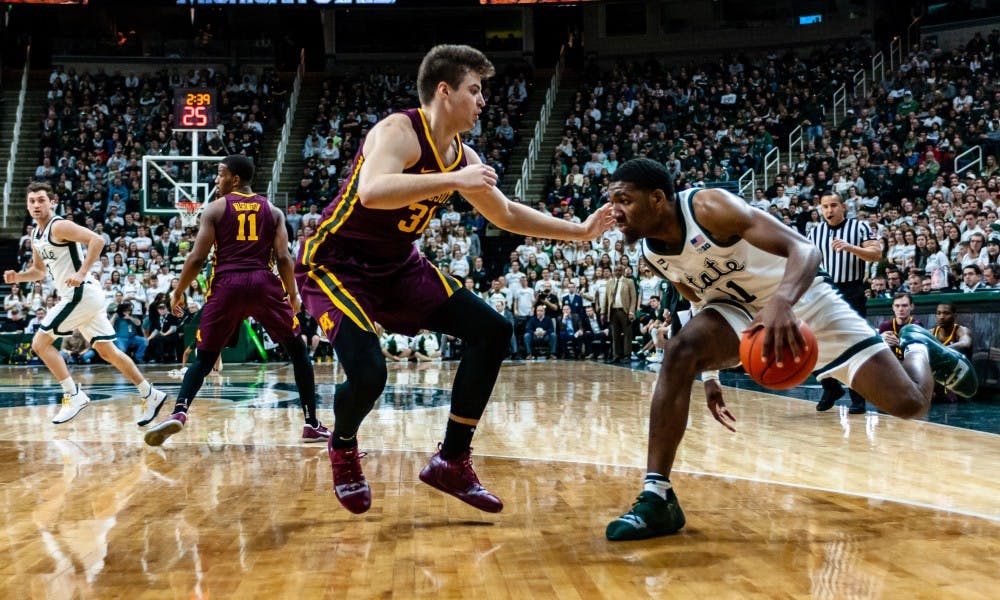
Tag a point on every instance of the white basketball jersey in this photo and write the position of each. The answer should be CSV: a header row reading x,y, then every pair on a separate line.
x,y
717,270
61,259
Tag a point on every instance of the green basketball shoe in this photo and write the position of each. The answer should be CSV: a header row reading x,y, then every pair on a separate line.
x,y
651,516
951,369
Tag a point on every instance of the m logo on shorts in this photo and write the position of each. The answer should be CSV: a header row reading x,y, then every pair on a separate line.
x,y
326,322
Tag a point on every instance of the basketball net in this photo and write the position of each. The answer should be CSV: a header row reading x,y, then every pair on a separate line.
x,y
189,212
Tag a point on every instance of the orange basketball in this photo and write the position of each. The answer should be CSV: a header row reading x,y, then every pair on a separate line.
x,y
769,374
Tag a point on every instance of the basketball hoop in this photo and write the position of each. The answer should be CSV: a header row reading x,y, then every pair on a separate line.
x,y
189,211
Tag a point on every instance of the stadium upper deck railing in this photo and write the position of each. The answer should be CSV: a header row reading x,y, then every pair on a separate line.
x,y
16,136
747,185
970,159
528,164
973,157
286,130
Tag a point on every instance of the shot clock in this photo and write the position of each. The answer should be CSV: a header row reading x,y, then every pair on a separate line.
x,y
195,108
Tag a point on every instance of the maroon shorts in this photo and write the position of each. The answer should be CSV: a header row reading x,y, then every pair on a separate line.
x,y
235,296
400,297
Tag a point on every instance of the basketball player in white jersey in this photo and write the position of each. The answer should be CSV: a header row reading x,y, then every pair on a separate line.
x,y
56,247
742,269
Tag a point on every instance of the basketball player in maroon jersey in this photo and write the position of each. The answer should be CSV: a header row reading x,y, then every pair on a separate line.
x,y
249,235
361,267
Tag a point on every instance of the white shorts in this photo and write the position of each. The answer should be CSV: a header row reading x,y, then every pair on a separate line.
x,y
84,309
845,339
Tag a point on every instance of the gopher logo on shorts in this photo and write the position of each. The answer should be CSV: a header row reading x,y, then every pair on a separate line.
x,y
325,322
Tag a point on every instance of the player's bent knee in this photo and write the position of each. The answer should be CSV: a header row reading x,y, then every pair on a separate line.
x,y
909,405
506,329
39,344
107,350
370,381
495,326
899,399
681,357
494,333
203,365
500,339
294,347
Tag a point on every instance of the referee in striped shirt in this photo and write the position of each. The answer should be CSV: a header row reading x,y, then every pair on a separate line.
x,y
846,245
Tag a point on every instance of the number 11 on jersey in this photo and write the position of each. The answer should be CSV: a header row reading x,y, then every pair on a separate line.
x,y
245,233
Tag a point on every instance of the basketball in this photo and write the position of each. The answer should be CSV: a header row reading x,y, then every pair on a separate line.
x,y
769,374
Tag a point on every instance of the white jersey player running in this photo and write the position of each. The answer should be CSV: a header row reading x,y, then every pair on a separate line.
x,y
745,270
56,249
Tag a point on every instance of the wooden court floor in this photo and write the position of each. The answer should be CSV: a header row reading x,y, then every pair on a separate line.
x,y
796,504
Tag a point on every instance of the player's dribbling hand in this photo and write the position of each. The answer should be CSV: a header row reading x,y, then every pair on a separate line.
x,y
599,222
476,179
717,406
10,276
782,338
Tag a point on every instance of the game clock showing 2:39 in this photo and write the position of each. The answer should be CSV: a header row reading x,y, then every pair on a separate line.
x,y
195,108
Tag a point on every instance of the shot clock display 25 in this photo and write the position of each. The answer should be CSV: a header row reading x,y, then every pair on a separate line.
x,y
195,108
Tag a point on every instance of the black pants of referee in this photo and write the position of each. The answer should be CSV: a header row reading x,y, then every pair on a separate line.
x,y
854,293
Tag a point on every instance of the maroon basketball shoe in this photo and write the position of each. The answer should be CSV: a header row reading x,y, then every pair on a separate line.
x,y
165,428
457,478
311,434
349,481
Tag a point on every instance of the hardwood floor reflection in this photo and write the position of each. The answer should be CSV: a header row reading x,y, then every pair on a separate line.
x,y
796,504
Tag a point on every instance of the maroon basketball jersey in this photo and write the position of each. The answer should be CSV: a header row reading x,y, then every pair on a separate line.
x,y
380,235
244,236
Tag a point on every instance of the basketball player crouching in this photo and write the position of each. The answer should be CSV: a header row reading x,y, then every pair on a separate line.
x,y
744,269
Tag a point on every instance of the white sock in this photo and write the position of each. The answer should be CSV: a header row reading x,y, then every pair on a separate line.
x,y
656,483
68,385
920,348
144,388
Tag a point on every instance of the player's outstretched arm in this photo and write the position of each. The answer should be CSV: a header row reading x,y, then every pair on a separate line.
x,y
727,217
517,218
203,243
69,231
33,273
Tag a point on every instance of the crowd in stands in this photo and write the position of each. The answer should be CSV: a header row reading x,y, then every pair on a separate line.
x,y
94,131
892,160
97,127
351,104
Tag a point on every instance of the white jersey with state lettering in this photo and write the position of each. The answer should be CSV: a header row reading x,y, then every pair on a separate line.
x,y
61,259
81,307
716,270
736,280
